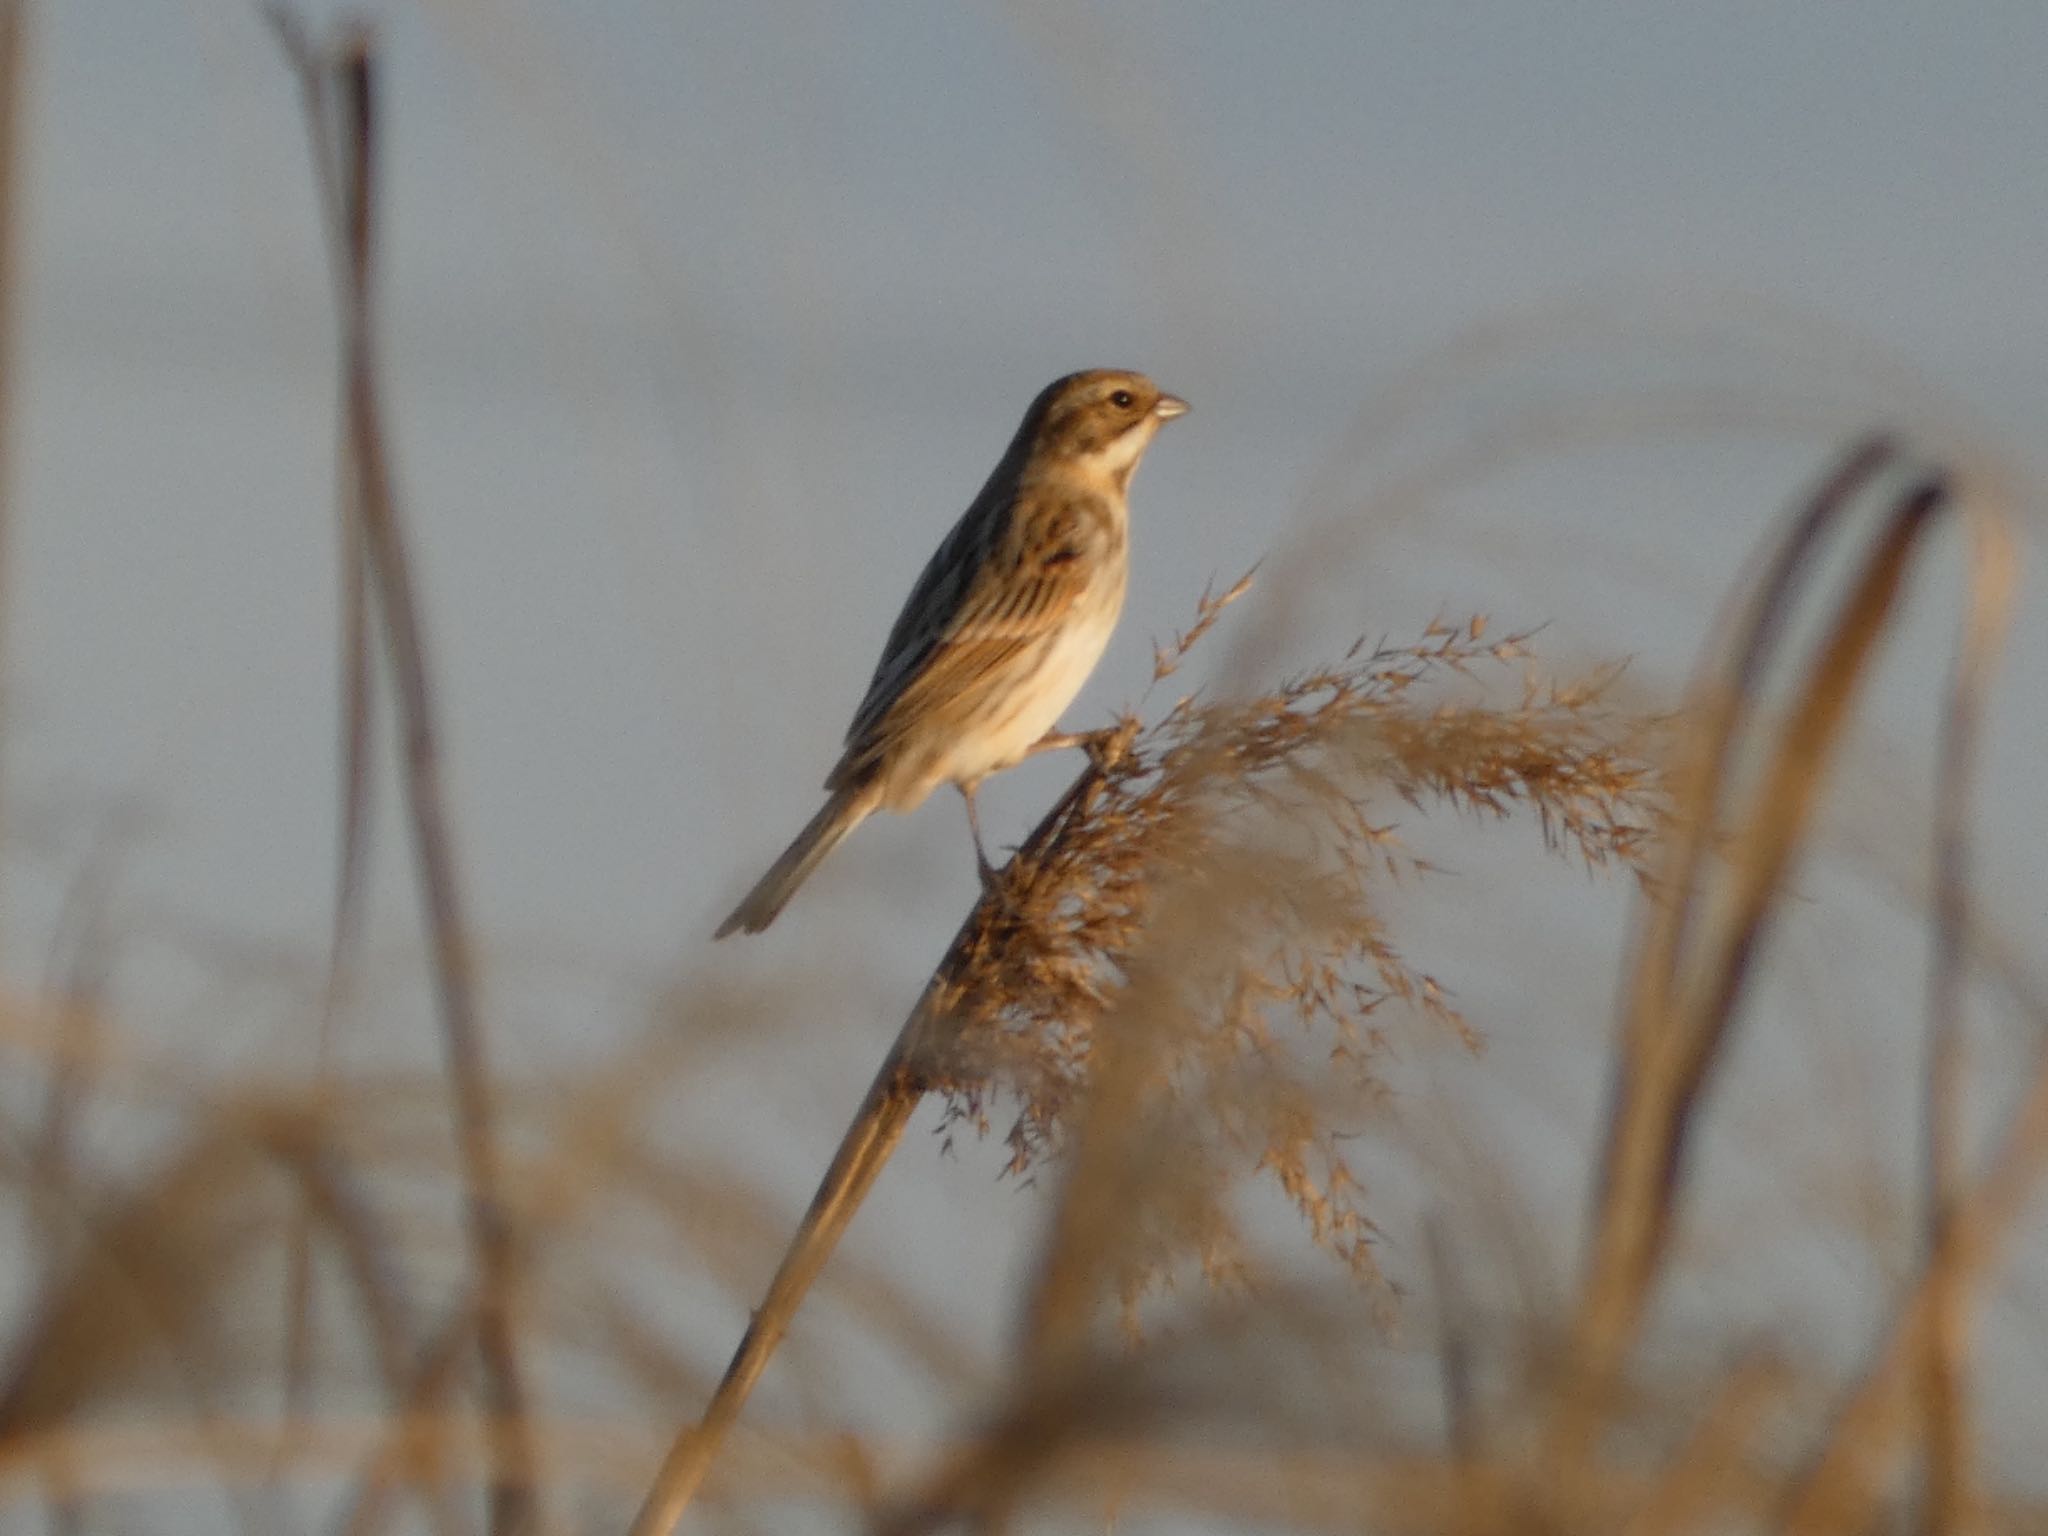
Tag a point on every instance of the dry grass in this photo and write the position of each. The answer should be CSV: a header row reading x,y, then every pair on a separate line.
x,y
1576,1437
1179,993
1276,817
1236,840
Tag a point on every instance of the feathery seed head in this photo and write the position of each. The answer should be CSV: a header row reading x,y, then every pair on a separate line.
x,y
1215,888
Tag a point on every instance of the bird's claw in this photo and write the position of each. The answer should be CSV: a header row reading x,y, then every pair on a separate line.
x,y
1099,745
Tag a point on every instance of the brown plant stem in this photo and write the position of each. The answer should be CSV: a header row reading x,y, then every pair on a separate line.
x,y
899,1085
1948,1497
1841,1492
357,729
1687,985
349,179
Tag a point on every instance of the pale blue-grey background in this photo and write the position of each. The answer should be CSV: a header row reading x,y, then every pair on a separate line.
x,y
702,323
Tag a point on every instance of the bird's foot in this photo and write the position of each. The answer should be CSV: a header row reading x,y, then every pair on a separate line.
x,y
1098,745
1107,745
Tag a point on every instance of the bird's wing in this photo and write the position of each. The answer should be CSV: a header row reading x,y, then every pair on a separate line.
x,y
994,588
935,602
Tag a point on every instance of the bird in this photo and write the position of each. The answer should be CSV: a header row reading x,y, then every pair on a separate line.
x,y
1004,625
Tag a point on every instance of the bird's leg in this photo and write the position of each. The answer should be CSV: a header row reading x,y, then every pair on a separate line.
x,y
986,869
1057,741
1094,742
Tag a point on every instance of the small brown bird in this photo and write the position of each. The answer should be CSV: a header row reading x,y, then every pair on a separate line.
x,y
1002,629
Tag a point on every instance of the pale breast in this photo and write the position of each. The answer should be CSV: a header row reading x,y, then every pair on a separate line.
x,y
1040,695
1006,686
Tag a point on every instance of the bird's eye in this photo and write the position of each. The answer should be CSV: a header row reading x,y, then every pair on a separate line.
x,y
1121,399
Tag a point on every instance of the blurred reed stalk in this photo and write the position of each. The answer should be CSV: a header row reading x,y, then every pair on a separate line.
x,y
1694,956
1722,884
1751,771
898,1088
1951,1499
1203,871
1136,903
339,82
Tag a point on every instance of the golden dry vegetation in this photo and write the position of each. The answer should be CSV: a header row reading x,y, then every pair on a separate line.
x,y
1178,990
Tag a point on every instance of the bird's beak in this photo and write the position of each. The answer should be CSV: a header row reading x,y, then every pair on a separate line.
x,y
1170,406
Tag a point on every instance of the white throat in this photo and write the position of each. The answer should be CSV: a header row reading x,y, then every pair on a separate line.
x,y
1115,462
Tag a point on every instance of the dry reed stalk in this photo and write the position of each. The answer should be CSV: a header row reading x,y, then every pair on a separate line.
x,y
345,77
1950,1499
1919,1374
1721,888
1842,1489
898,1087
1074,928
357,712
1699,940
1711,903
1146,1145
357,728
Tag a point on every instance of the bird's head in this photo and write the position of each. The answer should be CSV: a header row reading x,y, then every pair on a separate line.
x,y
1097,423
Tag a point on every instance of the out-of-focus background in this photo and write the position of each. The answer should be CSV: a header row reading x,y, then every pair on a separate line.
x,y
702,323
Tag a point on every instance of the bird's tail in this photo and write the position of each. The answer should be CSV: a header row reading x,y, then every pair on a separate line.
x,y
847,809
